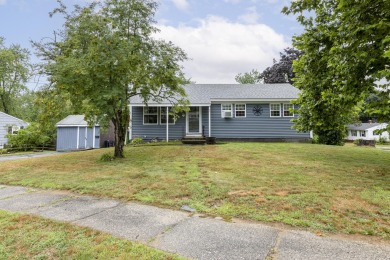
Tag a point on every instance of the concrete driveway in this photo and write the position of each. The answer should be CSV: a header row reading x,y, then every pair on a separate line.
x,y
189,235
25,156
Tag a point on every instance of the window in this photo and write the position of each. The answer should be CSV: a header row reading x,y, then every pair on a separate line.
x,y
240,110
275,110
353,133
150,115
286,110
163,116
226,108
13,130
363,133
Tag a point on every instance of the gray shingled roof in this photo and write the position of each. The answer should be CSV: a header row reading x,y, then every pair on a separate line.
x,y
73,120
364,126
206,93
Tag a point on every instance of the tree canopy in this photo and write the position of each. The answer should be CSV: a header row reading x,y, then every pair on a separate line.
x,y
252,77
14,73
280,72
346,45
106,54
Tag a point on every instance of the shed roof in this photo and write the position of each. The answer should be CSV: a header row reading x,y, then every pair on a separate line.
x,y
365,126
206,93
73,120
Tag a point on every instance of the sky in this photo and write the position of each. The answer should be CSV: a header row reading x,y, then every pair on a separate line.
x,y
221,37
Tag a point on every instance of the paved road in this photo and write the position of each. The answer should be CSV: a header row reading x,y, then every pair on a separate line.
x,y
25,156
189,235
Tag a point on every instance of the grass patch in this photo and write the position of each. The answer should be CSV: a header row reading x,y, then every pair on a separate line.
x,y
321,188
29,237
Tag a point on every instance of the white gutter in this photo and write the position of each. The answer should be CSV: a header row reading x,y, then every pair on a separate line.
x,y
93,140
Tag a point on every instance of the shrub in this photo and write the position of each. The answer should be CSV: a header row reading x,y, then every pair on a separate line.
x,y
31,136
357,141
382,140
106,157
137,140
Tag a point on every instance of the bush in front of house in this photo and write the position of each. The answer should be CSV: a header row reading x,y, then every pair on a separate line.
x,y
31,136
137,140
382,140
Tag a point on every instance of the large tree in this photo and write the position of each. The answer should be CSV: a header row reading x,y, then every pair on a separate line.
x,y
280,72
252,77
14,73
346,46
107,53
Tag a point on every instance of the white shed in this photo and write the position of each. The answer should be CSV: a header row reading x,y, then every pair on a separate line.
x,y
73,133
365,131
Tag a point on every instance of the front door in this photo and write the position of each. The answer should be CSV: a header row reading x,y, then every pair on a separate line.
x,y
194,121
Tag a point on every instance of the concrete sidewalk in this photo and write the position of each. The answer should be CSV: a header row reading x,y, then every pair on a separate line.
x,y
189,235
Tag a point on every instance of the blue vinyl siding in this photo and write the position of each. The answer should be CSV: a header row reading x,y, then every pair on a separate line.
x,y
205,121
251,126
66,138
148,132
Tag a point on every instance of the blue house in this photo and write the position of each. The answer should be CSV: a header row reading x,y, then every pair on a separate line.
x,y
224,111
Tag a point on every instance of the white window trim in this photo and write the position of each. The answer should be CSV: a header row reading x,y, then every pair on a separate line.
x,y
354,131
288,110
270,110
165,115
143,117
223,110
235,110
14,128
361,133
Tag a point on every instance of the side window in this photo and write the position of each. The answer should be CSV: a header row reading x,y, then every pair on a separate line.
x,y
240,110
226,110
275,110
286,110
13,130
150,115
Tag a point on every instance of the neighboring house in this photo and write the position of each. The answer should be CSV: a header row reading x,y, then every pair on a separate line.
x,y
365,131
224,111
73,133
9,125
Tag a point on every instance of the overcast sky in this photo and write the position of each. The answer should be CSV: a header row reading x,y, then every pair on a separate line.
x,y
222,37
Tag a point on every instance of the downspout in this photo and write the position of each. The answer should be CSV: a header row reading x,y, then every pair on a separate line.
x,y
210,120
130,124
167,125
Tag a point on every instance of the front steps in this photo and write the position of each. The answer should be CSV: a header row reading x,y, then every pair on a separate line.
x,y
193,140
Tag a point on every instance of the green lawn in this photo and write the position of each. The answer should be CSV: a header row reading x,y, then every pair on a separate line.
x,y
320,188
28,237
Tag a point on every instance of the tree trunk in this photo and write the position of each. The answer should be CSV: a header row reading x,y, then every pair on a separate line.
x,y
121,123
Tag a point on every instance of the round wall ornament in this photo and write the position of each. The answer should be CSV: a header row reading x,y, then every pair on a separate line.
x,y
257,110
